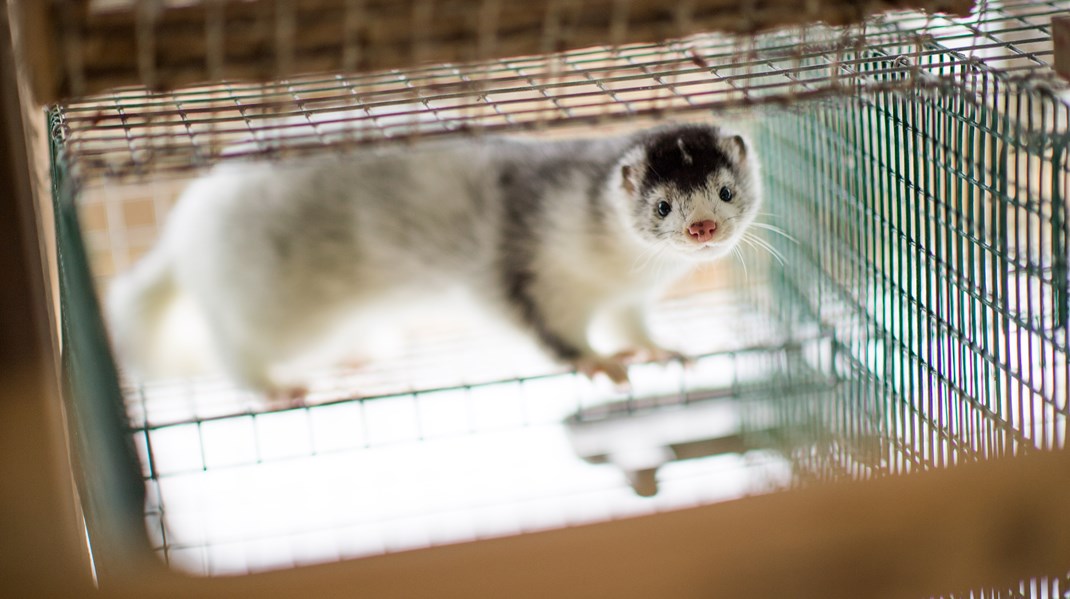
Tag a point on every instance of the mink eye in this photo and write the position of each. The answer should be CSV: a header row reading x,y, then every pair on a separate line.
x,y
664,208
726,194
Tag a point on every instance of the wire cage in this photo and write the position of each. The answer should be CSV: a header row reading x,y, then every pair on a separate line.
x,y
911,311
103,44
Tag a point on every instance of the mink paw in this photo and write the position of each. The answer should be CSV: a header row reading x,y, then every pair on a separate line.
x,y
613,367
652,353
287,397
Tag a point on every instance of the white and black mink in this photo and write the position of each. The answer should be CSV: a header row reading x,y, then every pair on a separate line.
x,y
280,260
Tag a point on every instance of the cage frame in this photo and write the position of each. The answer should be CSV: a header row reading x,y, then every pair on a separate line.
x,y
989,507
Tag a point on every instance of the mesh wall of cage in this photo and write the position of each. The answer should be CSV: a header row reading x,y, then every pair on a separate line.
x,y
901,314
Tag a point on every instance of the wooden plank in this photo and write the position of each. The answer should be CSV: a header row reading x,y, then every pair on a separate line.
x,y
36,44
1060,33
937,532
41,545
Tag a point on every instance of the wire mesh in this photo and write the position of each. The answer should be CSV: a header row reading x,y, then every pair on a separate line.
x,y
918,317
103,44
463,461
132,133
932,236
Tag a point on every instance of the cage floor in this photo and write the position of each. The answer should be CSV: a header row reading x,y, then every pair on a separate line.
x,y
431,459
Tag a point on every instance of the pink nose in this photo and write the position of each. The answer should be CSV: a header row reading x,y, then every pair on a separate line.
x,y
702,231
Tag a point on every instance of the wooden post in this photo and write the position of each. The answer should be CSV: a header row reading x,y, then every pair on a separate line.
x,y
38,46
1060,33
42,545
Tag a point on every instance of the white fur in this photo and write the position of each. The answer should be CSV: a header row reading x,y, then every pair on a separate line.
x,y
285,261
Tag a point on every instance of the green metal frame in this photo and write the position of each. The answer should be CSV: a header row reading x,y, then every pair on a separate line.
x,y
932,239
107,470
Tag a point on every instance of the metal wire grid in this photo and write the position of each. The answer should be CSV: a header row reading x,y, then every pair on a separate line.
x,y
231,487
933,238
932,243
343,489
101,45
463,461
131,133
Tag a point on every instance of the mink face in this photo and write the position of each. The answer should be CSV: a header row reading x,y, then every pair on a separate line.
x,y
695,190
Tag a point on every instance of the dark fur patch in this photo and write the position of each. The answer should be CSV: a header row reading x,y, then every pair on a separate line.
x,y
518,288
686,168
598,172
524,186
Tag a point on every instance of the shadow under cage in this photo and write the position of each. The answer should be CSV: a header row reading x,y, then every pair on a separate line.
x,y
904,308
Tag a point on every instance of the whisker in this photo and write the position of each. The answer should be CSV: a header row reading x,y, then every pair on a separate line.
x,y
739,255
662,265
775,229
769,248
646,253
649,255
746,239
772,249
752,243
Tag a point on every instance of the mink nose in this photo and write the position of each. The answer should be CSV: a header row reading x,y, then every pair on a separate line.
x,y
702,231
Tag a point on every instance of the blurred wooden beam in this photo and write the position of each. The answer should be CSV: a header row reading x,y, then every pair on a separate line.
x,y
992,523
41,544
1060,33
78,50
39,52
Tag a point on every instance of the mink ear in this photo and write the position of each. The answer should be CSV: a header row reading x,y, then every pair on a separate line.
x,y
626,172
740,147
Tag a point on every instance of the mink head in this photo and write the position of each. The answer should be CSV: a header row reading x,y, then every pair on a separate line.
x,y
692,188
